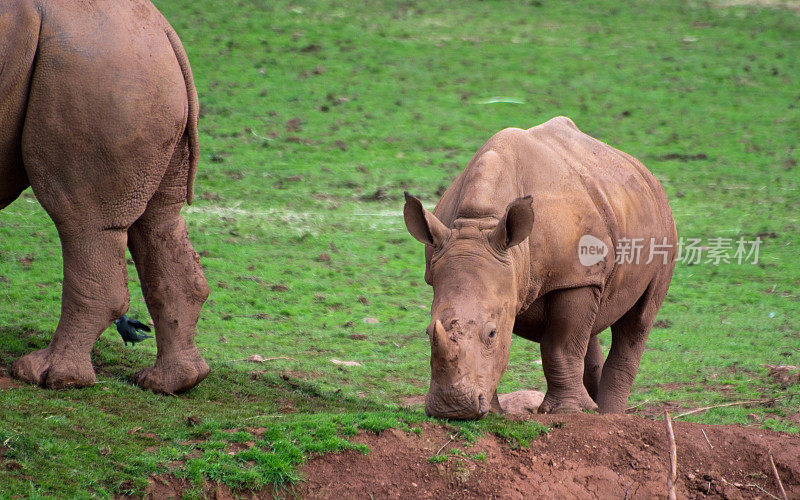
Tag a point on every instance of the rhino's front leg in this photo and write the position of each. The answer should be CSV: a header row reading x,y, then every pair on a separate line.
x,y
570,316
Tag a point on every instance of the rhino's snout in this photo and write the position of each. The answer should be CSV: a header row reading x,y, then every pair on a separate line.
x,y
457,403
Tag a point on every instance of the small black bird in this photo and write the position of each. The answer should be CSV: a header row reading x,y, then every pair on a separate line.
x,y
129,330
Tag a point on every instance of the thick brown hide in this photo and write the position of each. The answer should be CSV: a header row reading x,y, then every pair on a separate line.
x,y
98,113
524,241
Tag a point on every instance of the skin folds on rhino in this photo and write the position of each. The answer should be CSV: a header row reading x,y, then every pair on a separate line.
x,y
98,113
524,242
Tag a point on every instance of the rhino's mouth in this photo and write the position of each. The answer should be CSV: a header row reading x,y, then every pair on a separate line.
x,y
457,402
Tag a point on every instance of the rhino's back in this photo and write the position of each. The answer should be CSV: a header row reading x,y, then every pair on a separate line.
x,y
580,186
627,194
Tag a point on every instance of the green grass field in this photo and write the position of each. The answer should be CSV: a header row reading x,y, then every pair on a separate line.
x,y
315,116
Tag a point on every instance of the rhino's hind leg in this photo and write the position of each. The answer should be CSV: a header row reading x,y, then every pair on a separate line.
x,y
94,294
175,289
570,316
628,337
173,284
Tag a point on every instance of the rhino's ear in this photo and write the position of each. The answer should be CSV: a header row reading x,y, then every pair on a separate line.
x,y
515,226
423,225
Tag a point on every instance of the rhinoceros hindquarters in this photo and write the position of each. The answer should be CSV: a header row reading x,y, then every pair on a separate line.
x,y
108,145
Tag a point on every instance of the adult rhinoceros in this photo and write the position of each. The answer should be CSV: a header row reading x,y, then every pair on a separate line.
x,y
98,113
556,281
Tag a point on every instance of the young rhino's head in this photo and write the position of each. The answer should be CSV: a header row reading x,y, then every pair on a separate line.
x,y
475,300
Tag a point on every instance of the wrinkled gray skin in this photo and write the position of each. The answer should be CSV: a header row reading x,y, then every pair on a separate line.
x,y
494,271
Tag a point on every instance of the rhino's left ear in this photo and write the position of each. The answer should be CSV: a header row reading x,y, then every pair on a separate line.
x,y
423,225
515,226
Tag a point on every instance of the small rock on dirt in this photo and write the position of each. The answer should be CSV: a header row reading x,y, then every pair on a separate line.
x,y
521,402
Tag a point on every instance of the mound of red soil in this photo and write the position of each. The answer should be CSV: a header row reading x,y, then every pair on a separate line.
x,y
583,456
7,382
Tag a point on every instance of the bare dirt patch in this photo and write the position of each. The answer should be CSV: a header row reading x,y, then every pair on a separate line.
x,y
7,382
608,456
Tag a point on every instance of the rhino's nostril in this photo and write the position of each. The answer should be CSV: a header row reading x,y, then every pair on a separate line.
x,y
483,406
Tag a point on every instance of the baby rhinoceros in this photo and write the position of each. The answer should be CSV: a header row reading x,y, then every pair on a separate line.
x,y
600,253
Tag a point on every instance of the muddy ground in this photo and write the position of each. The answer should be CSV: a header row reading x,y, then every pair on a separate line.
x,y
583,456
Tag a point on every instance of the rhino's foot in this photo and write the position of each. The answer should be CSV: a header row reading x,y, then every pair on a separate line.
x,y
55,369
555,404
172,374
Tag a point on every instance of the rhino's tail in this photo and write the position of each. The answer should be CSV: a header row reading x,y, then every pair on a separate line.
x,y
194,112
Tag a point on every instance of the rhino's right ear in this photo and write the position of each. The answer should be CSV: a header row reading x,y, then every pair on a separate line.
x,y
515,226
423,225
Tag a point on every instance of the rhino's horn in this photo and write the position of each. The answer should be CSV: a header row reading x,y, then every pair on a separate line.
x,y
440,334
441,342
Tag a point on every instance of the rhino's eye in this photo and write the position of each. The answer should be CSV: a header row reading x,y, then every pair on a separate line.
x,y
489,333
